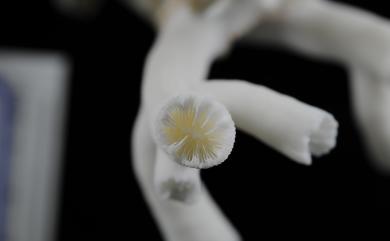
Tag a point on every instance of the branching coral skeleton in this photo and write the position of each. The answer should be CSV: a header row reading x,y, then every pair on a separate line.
x,y
186,123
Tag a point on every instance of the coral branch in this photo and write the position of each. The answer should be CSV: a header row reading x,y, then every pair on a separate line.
x,y
371,101
181,57
295,129
330,30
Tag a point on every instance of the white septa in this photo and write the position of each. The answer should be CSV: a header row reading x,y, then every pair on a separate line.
x,y
195,131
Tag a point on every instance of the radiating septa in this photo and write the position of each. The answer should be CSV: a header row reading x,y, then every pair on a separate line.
x,y
195,131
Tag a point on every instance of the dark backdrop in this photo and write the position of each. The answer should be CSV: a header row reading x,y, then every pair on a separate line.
x,y
100,199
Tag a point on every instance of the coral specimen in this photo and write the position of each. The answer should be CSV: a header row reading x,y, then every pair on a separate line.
x,y
187,123
184,122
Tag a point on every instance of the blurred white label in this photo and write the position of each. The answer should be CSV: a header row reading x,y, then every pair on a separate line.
x,y
32,108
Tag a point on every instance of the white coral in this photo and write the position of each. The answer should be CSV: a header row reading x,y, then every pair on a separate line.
x,y
191,131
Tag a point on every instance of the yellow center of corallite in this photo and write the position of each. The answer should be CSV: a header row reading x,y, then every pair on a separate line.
x,y
194,131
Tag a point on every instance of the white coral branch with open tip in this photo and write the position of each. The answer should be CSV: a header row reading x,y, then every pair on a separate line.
x,y
295,129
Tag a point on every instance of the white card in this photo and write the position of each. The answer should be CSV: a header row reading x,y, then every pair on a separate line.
x,y
32,108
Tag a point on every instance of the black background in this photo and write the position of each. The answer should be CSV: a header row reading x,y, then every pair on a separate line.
x,y
100,199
